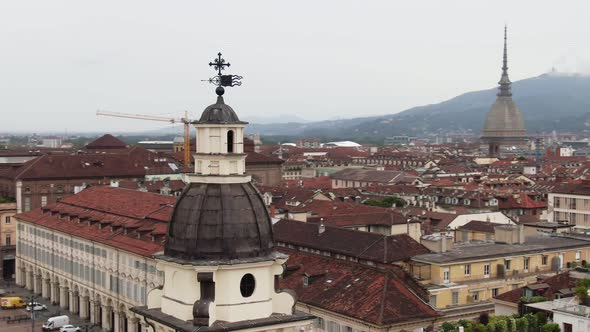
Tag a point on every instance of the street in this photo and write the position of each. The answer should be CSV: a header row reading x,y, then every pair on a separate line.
x,y
40,316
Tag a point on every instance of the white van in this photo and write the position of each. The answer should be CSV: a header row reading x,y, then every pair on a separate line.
x,y
55,323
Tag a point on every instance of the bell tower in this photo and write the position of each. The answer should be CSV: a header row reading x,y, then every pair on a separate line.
x,y
220,268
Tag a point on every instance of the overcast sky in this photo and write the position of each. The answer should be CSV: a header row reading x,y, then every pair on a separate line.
x,y
62,60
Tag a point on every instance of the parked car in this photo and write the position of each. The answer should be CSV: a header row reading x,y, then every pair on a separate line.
x,y
57,322
36,306
69,328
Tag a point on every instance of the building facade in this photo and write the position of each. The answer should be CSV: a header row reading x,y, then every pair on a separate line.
x,y
570,204
7,240
463,280
89,255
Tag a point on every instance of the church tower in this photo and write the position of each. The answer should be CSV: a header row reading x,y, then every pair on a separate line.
x,y
504,125
220,269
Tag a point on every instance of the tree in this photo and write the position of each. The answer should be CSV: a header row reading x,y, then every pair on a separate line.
x,y
491,327
533,322
387,202
522,325
501,326
448,327
484,318
541,318
511,324
479,328
552,327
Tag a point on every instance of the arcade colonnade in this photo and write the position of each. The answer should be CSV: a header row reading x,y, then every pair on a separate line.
x,y
75,298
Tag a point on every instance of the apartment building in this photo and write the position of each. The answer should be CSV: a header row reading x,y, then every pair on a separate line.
x,y
570,203
463,278
92,253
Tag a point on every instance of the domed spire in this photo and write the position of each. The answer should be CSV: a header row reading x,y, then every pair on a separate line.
x,y
505,84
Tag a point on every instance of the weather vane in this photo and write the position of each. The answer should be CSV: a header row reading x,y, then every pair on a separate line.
x,y
220,80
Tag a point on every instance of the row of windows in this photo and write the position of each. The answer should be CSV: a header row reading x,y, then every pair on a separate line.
x,y
63,240
131,262
507,266
128,289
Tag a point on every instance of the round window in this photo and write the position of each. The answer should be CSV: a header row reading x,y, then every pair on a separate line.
x,y
247,285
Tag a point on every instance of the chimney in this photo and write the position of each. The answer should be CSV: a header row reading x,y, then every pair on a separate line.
x,y
443,242
321,227
273,211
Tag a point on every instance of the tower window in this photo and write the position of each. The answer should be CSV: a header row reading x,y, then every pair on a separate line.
x,y
230,141
247,285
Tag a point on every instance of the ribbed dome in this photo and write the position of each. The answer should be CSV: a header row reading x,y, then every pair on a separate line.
x,y
219,222
219,113
504,120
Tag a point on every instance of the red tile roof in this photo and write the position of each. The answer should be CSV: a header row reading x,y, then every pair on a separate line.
x,y
255,158
556,283
327,208
523,201
139,212
106,142
478,226
361,245
136,162
374,295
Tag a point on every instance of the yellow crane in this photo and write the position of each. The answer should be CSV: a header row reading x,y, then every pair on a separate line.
x,y
185,121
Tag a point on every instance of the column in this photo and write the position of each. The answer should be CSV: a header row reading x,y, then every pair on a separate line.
x,y
106,317
132,323
63,297
54,292
117,321
46,288
84,307
73,302
92,312
21,276
37,284
29,280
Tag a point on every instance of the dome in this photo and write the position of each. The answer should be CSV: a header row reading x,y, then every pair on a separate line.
x,y
504,120
219,222
219,113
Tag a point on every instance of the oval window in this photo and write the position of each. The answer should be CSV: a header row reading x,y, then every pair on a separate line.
x,y
247,285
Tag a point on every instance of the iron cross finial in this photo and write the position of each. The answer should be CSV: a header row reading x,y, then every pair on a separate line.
x,y
219,64
220,80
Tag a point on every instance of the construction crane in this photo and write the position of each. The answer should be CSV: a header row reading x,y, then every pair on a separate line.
x,y
185,120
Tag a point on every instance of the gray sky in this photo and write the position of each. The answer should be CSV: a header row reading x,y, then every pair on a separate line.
x,y
61,60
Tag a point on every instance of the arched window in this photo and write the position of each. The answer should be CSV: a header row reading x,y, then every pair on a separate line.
x,y
230,141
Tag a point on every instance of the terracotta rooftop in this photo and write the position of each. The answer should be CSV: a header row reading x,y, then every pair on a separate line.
x,y
106,142
361,245
554,283
136,162
367,175
478,226
135,211
373,295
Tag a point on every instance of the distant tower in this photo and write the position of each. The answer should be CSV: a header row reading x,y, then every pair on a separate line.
x,y
504,124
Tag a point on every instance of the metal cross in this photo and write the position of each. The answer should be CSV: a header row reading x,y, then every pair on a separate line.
x,y
219,64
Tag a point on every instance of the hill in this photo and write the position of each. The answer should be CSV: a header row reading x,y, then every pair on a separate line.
x,y
548,102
